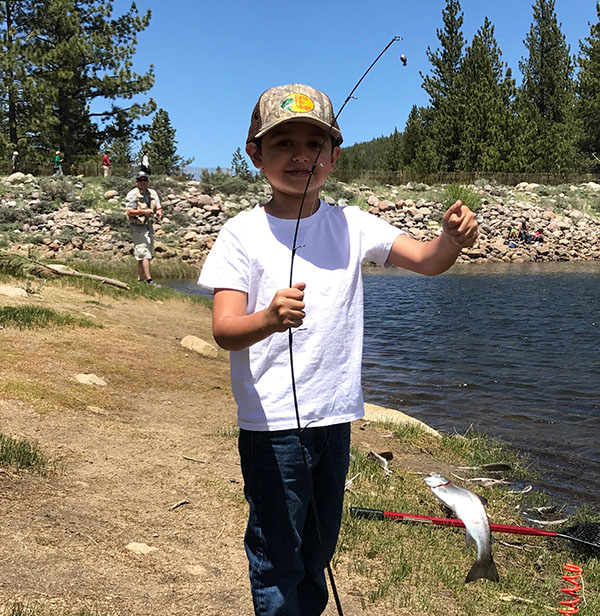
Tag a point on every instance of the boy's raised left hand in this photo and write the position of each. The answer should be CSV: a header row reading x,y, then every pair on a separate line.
x,y
459,225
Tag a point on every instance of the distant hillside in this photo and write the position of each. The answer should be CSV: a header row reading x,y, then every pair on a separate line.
x,y
368,155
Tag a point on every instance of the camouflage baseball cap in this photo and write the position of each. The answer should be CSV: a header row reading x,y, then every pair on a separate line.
x,y
293,102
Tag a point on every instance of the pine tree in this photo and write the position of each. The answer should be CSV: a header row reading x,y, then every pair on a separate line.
x,y
487,90
239,165
16,86
120,135
445,124
76,52
413,135
393,153
418,152
162,147
445,61
547,96
588,91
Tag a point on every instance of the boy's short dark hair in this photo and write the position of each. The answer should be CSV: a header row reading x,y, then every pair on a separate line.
x,y
293,102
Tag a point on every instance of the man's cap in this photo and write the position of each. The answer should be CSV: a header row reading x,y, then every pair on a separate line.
x,y
58,151
15,153
141,175
292,102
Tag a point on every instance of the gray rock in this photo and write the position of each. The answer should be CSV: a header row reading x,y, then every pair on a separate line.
x,y
193,343
15,178
90,379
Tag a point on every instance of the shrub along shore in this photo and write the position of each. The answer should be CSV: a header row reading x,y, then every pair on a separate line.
x,y
82,218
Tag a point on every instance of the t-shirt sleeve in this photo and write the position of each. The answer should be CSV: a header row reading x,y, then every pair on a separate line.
x,y
377,237
227,265
131,200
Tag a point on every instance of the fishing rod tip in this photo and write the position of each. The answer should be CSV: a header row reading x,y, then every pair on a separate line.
x,y
397,38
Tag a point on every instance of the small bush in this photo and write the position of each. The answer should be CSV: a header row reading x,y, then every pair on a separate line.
x,y
79,205
120,184
180,219
92,196
457,192
338,190
68,233
13,217
37,239
117,221
220,181
44,207
58,189
21,454
163,185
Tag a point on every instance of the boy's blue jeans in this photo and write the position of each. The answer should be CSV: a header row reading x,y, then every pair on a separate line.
x,y
286,559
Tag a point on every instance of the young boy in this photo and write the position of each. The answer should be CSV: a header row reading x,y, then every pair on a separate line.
x,y
249,270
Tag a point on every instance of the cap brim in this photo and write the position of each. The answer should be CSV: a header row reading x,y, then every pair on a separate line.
x,y
334,132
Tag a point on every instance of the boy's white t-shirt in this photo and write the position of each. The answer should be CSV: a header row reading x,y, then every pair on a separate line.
x,y
252,254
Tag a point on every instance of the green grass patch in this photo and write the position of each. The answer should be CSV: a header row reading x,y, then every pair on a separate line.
x,y
421,568
20,608
457,192
21,454
48,397
125,270
32,317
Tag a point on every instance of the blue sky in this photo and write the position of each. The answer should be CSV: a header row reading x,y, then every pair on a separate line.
x,y
213,59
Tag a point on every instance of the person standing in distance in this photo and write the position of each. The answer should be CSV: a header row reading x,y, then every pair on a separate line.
x,y
58,161
106,164
14,162
145,166
142,205
248,269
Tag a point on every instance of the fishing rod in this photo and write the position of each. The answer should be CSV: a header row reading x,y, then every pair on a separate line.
x,y
291,336
584,533
314,165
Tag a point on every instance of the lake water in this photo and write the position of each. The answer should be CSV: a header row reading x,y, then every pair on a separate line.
x,y
512,350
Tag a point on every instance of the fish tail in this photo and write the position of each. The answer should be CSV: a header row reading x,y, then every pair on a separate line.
x,y
485,569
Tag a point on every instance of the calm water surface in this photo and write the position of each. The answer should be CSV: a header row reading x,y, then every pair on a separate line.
x,y
510,349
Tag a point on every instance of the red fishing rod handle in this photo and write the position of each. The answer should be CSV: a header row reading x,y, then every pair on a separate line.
x,y
380,514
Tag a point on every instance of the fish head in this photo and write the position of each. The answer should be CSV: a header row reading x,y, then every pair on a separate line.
x,y
435,480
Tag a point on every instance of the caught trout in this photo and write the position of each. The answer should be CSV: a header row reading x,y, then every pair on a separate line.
x,y
469,509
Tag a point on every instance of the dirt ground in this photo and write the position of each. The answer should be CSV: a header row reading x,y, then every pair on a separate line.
x,y
149,458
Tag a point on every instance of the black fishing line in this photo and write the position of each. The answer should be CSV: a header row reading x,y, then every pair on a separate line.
x,y
291,335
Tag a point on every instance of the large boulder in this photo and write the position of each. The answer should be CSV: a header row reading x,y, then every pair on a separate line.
x,y
15,178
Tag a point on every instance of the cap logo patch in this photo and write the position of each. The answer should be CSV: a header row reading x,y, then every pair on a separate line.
x,y
298,103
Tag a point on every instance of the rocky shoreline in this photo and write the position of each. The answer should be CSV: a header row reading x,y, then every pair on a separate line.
x,y
35,215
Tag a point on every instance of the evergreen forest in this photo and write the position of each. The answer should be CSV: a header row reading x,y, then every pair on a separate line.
x,y
67,84
479,120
